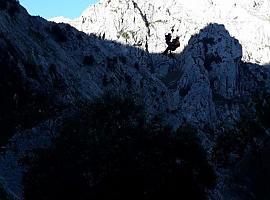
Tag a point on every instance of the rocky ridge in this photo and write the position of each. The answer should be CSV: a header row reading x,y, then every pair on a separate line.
x,y
144,23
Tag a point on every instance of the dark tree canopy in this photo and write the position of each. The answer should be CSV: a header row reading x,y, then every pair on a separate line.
x,y
109,152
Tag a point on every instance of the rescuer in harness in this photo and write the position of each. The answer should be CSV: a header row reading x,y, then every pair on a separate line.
x,y
172,45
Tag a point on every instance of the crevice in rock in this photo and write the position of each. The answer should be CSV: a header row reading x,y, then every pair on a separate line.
x,y
146,22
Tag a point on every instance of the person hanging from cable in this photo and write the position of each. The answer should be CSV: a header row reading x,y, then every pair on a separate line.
x,y
168,38
172,45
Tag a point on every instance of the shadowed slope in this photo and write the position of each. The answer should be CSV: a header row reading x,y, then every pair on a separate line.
x,y
46,69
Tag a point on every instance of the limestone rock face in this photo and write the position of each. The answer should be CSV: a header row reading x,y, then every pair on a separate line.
x,y
144,23
210,71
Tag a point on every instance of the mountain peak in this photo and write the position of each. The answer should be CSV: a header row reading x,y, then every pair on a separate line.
x,y
60,19
124,22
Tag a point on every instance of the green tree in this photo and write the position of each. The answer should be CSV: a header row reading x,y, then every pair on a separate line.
x,y
108,151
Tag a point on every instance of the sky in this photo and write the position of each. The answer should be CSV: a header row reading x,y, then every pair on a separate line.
x,y
53,8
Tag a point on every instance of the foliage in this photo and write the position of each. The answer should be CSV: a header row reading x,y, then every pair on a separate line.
x,y
58,33
36,35
88,60
234,143
136,65
229,147
123,59
109,151
123,34
3,4
105,80
3,194
33,71
245,151
211,58
112,62
12,6
262,105
260,163
256,164
20,107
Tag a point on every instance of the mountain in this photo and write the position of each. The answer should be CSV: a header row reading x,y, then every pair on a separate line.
x,y
60,19
140,22
210,82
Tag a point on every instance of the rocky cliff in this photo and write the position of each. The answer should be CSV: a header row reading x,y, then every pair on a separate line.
x,y
47,68
144,23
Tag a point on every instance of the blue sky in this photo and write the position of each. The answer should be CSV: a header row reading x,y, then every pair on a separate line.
x,y
53,8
